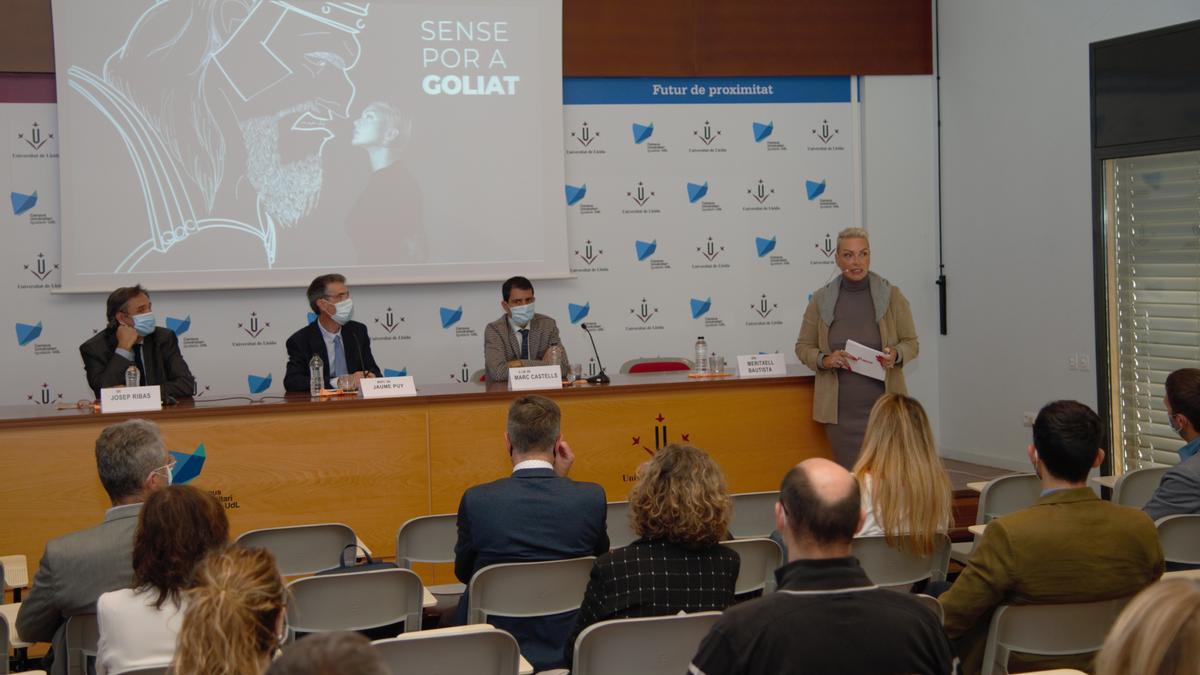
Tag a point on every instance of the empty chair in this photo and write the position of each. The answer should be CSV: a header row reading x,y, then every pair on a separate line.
x,y
529,589
356,601
893,567
82,637
620,532
1135,488
478,649
1001,496
14,574
430,539
302,549
753,514
1047,630
760,559
658,645
1180,537
656,364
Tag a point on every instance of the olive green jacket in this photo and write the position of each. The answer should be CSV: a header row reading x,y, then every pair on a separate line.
x,y
1070,546
895,328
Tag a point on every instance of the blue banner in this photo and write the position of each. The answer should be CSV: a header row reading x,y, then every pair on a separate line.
x,y
693,90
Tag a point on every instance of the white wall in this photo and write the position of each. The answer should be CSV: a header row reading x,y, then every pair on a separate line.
x,y
1016,189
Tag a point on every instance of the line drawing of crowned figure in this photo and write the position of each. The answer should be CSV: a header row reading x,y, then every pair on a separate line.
x,y
271,72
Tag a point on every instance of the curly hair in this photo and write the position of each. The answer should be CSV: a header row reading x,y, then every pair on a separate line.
x,y
681,496
177,526
229,625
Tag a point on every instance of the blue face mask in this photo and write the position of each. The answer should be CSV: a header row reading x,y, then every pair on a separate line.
x,y
144,323
522,315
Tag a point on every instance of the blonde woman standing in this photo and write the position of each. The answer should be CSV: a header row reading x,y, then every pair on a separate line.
x,y
862,306
905,490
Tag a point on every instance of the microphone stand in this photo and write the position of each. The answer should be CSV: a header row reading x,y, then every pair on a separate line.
x,y
600,377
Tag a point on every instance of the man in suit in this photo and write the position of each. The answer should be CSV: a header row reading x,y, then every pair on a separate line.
x,y
520,337
1068,547
342,344
131,338
77,568
536,513
1179,490
827,617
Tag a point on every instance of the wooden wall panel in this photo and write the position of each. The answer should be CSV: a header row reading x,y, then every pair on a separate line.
x,y
683,38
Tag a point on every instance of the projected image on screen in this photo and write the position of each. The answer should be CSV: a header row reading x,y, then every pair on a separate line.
x,y
224,143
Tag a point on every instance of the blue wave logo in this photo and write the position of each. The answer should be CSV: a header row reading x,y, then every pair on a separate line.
x,y
764,246
450,316
27,333
578,312
814,189
701,307
179,326
187,467
388,372
312,317
258,384
696,192
574,194
645,249
642,132
22,203
761,131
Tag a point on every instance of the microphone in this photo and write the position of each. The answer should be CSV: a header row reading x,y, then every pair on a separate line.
x,y
600,377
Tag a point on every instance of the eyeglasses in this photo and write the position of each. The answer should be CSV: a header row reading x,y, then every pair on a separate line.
x,y
339,297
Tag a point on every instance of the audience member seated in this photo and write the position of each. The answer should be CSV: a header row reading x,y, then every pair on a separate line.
x,y
1070,546
680,509
77,567
235,618
827,616
178,526
537,513
1157,634
1179,490
339,653
905,490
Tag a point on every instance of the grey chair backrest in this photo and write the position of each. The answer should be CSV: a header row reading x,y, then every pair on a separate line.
x,y
149,670
4,643
427,539
892,567
528,589
1180,538
933,605
355,601
760,559
1047,630
620,532
753,514
1135,488
302,549
658,645
1003,495
485,651
82,636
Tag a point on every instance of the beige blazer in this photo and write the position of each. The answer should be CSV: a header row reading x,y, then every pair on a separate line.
x,y
896,329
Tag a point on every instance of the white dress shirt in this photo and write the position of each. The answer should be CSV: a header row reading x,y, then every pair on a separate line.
x,y
329,351
133,634
533,464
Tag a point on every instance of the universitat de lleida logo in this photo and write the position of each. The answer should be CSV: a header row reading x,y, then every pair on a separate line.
x,y
45,396
640,195
823,137
757,197
35,142
255,328
764,313
709,253
585,141
589,255
40,270
705,139
642,317
661,440
391,323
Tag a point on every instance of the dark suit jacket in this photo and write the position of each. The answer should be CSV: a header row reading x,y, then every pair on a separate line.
x,y
1178,492
654,577
535,514
75,570
308,341
160,354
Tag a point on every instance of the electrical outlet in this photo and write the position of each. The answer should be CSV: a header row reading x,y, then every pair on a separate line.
x,y
1083,362
1028,418
1072,361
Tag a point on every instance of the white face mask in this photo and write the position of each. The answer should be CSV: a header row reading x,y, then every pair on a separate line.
x,y
522,315
343,311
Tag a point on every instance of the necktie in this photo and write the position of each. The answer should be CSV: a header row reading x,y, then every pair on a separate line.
x,y
339,356
524,344
141,365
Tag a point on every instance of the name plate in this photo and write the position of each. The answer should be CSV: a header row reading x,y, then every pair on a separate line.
x,y
534,377
130,399
761,365
387,387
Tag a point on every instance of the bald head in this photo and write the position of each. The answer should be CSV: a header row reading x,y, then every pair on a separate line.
x,y
821,502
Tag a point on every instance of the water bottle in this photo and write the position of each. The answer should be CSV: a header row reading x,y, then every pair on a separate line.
x,y
133,376
316,373
701,355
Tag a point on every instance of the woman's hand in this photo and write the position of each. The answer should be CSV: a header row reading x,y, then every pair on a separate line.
x,y
889,357
839,359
